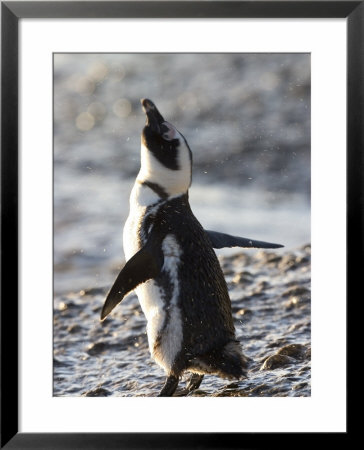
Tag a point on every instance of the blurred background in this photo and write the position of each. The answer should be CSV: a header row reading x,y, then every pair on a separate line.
x,y
246,118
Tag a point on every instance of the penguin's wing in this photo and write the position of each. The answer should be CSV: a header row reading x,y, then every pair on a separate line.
x,y
221,240
143,266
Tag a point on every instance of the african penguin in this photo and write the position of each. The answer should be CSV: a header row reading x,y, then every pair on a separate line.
x,y
173,268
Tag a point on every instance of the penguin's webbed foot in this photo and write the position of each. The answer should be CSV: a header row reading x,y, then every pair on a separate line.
x,y
169,386
194,382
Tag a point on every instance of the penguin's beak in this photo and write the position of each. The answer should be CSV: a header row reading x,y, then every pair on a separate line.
x,y
154,117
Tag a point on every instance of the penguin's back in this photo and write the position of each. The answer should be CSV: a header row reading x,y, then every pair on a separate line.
x,y
191,262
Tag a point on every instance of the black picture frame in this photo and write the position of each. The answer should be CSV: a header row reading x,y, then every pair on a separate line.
x,y
11,13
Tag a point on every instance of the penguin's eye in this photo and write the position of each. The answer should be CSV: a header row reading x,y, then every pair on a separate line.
x,y
169,133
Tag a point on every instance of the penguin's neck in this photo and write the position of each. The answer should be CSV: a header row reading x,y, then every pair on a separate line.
x,y
172,182
146,193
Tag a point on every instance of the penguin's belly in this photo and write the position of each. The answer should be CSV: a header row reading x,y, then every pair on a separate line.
x,y
161,338
159,297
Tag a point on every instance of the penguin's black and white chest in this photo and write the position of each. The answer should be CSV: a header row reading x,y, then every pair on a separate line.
x,y
160,297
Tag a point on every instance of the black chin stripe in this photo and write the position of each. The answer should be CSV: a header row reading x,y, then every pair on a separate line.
x,y
156,188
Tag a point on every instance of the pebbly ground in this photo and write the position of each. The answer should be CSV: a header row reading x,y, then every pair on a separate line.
x,y
270,295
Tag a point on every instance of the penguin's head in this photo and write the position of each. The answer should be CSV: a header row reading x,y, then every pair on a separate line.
x,y
166,158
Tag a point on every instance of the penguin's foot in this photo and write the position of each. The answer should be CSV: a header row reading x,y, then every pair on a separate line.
x,y
169,386
194,382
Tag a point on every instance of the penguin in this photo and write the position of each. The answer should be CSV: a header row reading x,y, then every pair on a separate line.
x,y
172,266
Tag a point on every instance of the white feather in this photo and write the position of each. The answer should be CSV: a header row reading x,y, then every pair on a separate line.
x,y
151,301
171,341
141,197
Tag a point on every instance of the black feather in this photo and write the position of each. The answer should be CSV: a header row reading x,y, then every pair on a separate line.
x,y
222,240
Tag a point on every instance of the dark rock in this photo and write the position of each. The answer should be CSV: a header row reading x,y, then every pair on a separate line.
x,y
74,328
297,301
276,361
276,343
299,386
302,260
97,348
296,351
296,291
58,363
273,258
97,392
258,389
288,262
243,278
306,248
198,393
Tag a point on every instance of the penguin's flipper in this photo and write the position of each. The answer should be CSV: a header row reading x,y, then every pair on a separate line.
x,y
143,266
221,240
